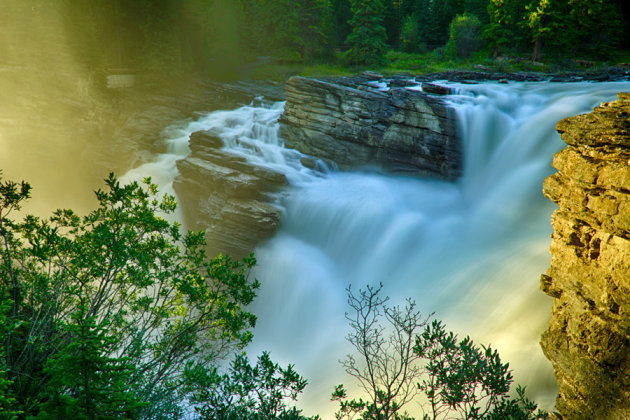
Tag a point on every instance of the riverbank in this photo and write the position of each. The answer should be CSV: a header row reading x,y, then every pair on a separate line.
x,y
426,64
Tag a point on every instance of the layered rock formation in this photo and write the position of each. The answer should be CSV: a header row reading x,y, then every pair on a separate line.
x,y
226,196
588,338
357,125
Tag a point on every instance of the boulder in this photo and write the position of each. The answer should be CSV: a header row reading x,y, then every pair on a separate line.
x,y
228,197
588,337
356,124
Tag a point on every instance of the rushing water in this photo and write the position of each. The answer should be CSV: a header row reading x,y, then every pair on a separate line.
x,y
470,251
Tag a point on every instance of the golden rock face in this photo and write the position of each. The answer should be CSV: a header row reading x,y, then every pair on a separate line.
x,y
588,337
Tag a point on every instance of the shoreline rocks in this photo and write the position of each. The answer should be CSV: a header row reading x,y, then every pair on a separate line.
x,y
588,337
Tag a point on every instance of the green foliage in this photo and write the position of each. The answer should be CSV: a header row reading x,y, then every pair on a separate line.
x,y
367,41
224,38
478,8
504,27
465,36
342,13
85,381
591,26
296,30
7,401
457,378
465,380
246,392
596,27
108,308
410,35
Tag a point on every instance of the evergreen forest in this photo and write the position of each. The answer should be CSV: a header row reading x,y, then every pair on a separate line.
x,y
219,37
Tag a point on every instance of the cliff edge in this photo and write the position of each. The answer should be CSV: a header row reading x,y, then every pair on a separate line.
x,y
588,337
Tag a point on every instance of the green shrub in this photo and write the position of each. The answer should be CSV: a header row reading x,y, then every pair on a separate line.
x,y
107,309
401,356
256,392
410,36
465,36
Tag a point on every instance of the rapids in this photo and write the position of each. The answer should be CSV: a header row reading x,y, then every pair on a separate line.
x,y
471,251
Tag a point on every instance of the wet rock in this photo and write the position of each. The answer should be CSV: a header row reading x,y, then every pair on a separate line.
x,y
228,197
357,125
436,89
588,337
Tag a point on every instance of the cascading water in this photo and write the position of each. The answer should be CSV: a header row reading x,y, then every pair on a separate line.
x,y
470,251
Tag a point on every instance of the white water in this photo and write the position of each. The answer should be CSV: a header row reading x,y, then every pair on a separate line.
x,y
471,251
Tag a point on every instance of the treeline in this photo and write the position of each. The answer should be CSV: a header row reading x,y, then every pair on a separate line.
x,y
217,35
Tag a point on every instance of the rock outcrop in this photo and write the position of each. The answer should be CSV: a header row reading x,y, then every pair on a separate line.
x,y
357,125
227,197
588,337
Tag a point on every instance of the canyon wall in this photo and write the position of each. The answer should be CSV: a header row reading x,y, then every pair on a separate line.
x,y
588,337
362,121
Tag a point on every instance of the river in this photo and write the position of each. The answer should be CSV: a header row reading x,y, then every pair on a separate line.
x,y
471,251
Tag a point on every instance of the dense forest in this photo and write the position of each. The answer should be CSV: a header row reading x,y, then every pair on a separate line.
x,y
205,35
214,36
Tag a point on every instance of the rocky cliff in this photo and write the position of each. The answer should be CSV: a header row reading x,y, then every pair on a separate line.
x,y
356,124
226,196
588,337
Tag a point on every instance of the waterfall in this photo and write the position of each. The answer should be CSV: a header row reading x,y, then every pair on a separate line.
x,y
471,251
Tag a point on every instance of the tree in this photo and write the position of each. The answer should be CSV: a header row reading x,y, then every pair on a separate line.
x,y
545,20
467,381
342,13
246,392
387,369
442,14
7,401
465,36
478,8
502,28
393,21
86,381
410,37
458,378
595,27
316,31
107,309
367,41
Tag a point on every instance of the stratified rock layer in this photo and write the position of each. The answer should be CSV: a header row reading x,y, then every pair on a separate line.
x,y
227,197
588,338
355,125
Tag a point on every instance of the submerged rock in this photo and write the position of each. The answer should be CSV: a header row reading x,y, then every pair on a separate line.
x,y
228,197
357,124
588,337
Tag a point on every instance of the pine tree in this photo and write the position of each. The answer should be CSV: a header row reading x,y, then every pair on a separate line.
x,y
342,13
505,22
478,8
367,41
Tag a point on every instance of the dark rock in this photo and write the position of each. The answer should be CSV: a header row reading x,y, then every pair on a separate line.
x,y
401,82
436,89
372,75
400,130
